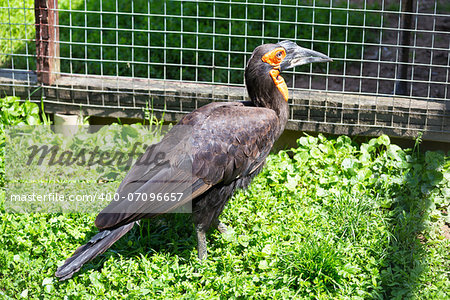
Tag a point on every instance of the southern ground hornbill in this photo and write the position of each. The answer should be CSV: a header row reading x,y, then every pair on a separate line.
x,y
228,146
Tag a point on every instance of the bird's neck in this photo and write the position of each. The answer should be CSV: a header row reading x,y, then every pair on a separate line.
x,y
264,93
278,104
282,110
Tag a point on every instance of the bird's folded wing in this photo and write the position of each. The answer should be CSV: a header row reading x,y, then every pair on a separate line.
x,y
233,142
162,190
224,142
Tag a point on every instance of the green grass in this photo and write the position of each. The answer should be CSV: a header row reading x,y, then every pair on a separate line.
x,y
14,37
328,219
142,62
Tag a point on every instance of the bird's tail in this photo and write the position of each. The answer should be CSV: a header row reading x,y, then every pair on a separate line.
x,y
97,245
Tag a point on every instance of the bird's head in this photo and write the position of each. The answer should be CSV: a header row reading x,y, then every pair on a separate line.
x,y
262,75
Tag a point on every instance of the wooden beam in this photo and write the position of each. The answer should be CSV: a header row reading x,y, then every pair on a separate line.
x,y
310,111
47,40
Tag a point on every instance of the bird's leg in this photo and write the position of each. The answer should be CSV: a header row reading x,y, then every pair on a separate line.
x,y
222,228
201,243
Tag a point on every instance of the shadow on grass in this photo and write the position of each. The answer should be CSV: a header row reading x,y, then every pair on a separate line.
x,y
171,235
405,257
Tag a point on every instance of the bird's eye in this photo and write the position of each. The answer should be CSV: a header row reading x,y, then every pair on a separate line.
x,y
274,57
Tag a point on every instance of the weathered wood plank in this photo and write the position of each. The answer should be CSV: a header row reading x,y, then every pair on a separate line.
x,y
47,40
311,111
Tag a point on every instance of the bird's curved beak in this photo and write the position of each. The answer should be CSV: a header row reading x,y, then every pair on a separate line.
x,y
296,56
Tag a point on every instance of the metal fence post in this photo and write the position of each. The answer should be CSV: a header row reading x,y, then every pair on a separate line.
x,y
47,40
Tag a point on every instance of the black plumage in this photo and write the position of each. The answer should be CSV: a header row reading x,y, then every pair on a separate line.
x,y
225,149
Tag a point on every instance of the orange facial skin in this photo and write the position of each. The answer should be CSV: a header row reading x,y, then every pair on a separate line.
x,y
280,83
274,58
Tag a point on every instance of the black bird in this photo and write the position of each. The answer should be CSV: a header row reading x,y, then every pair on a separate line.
x,y
226,148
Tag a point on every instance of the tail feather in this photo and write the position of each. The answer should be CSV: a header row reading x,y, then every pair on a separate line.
x,y
97,245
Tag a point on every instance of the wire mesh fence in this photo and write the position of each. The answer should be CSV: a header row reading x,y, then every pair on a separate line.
x,y
390,72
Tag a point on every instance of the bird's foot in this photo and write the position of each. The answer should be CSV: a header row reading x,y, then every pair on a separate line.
x,y
222,228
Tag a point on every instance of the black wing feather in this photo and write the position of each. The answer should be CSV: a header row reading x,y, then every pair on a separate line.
x,y
227,141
